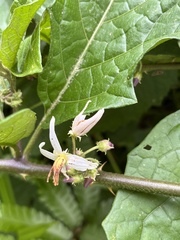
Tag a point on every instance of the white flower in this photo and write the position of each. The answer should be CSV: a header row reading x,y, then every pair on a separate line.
x,y
80,126
63,161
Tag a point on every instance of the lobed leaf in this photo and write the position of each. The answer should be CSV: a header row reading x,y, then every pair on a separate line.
x,y
88,199
57,232
147,216
23,222
92,230
17,126
61,203
95,48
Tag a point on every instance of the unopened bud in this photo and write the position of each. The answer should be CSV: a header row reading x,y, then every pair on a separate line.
x,y
105,145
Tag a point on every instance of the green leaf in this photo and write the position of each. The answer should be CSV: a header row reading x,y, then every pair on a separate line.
x,y
13,34
88,199
45,27
61,203
145,216
6,191
92,230
23,222
17,126
7,237
57,232
161,161
96,46
29,56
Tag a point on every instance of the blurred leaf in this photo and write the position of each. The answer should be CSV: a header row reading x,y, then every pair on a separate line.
x,y
4,13
94,231
57,232
96,46
14,33
7,237
102,210
17,126
61,203
23,222
88,199
145,216
6,191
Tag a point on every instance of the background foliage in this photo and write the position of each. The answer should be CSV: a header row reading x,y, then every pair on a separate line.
x,y
55,55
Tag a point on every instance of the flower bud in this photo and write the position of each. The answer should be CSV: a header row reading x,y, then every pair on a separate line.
x,y
104,145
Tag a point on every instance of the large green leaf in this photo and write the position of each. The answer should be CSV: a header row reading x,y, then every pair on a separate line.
x,y
95,48
144,216
17,126
14,33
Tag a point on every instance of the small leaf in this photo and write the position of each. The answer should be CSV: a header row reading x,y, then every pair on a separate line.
x,y
147,216
17,126
13,34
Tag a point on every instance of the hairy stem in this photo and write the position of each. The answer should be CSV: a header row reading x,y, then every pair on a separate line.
x,y
112,180
120,181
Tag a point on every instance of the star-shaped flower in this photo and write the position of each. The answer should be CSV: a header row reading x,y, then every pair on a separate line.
x,y
63,161
81,126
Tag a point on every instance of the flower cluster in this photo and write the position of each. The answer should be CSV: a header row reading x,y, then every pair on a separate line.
x,y
75,167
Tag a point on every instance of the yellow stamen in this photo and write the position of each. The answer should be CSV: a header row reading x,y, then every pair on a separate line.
x,y
60,161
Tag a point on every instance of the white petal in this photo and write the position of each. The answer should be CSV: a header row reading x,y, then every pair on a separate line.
x,y
85,126
80,117
46,153
53,138
80,163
